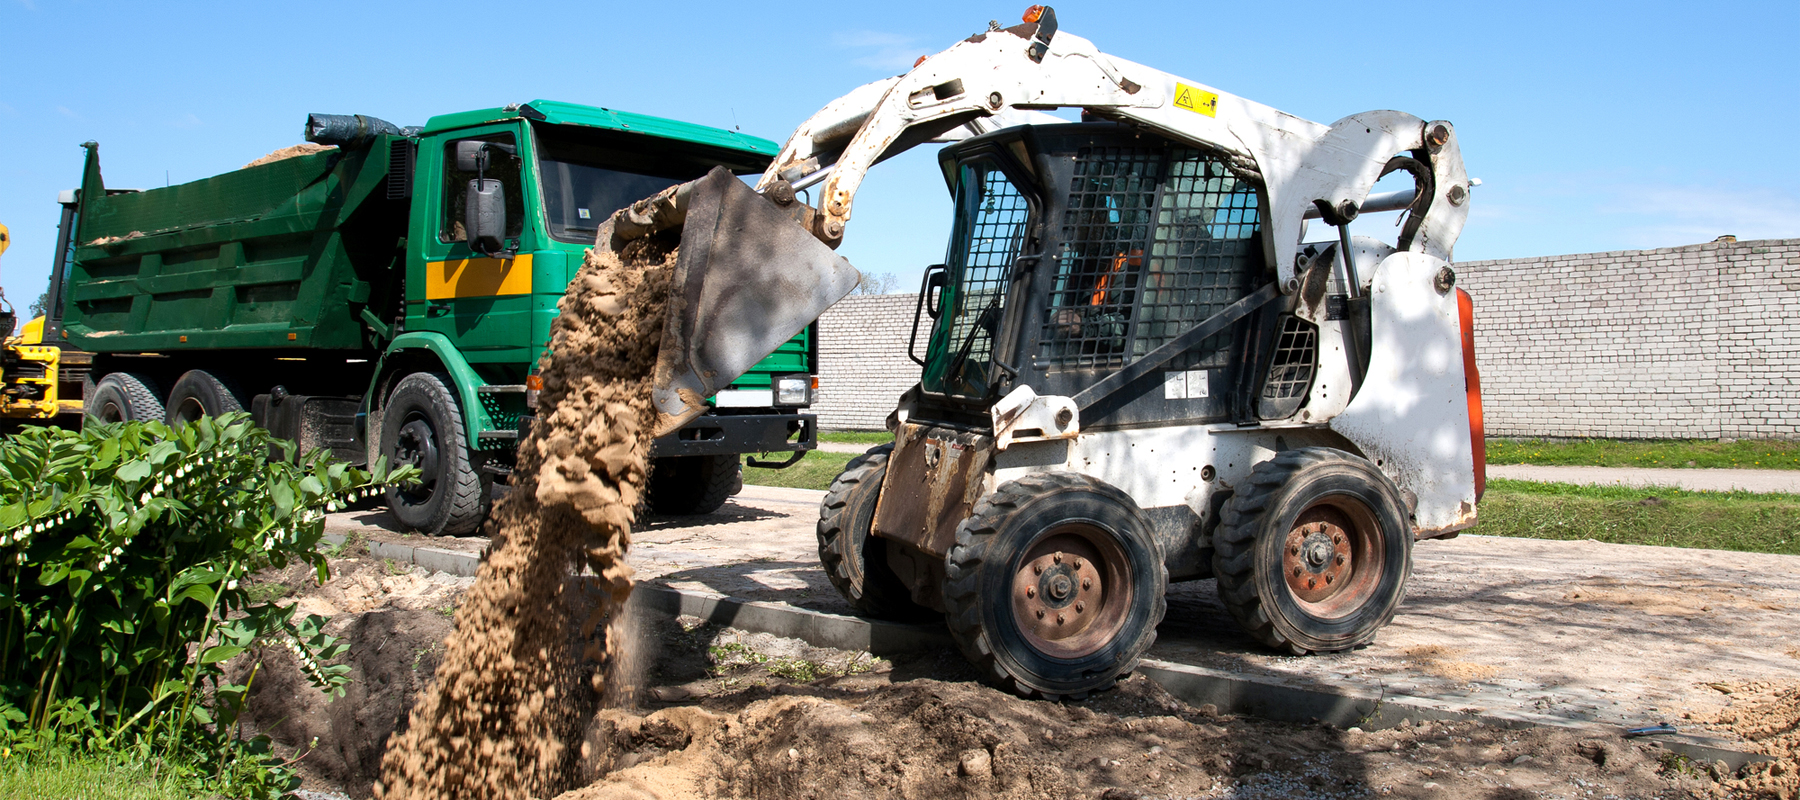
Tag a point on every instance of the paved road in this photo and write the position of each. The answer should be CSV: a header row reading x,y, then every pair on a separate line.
x,y
1712,480
1581,630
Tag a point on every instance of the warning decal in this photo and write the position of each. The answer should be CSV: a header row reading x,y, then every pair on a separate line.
x,y
1198,101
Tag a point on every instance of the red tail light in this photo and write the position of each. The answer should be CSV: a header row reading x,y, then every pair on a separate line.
x,y
1465,305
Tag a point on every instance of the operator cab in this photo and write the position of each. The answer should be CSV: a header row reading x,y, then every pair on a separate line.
x,y
1080,248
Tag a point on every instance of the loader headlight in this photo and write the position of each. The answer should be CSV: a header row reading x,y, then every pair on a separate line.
x,y
793,390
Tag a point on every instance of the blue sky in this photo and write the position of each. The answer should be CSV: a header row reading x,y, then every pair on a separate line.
x,y
1600,126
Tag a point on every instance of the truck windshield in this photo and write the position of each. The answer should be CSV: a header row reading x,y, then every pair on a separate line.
x,y
585,182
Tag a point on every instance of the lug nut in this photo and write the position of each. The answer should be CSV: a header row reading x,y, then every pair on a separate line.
x,y
1312,583
1297,572
1040,613
1031,591
1080,607
1087,583
1341,559
1328,578
1295,550
1057,558
1337,538
1076,563
1037,569
1059,619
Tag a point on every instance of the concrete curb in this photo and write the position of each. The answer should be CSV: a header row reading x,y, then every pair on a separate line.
x,y
1342,705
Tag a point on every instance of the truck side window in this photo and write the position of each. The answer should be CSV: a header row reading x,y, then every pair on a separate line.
x,y
501,167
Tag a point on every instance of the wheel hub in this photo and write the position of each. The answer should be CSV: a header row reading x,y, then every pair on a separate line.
x,y
1069,593
1317,559
415,446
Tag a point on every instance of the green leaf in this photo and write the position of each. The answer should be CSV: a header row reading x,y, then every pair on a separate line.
x,y
199,593
133,471
220,653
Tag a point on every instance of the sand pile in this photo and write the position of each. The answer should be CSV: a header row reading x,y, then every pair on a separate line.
x,y
294,151
511,694
1767,715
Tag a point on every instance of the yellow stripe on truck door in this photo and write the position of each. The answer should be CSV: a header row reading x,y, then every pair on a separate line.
x,y
477,277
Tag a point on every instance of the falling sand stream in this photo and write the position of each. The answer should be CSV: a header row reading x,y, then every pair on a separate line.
x,y
504,715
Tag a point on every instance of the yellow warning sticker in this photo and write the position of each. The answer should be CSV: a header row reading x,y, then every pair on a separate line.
x,y
1196,100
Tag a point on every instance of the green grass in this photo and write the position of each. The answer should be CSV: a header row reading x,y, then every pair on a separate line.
x,y
1744,521
1669,453
66,775
856,437
1758,523
815,470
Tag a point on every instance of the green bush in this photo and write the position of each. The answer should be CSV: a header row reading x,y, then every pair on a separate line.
x,y
123,556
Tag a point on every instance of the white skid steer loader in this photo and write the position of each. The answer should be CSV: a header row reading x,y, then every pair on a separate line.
x,y
1136,370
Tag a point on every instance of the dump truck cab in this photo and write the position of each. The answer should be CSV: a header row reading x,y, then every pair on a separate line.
x,y
343,293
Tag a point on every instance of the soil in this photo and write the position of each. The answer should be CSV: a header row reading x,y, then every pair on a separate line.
x,y
1767,715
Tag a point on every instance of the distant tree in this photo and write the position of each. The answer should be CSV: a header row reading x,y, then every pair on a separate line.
x,y
875,283
40,305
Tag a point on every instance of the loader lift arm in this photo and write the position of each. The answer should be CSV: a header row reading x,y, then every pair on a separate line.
x,y
992,79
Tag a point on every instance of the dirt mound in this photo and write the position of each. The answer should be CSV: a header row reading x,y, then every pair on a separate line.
x,y
871,737
1767,715
392,655
512,692
302,149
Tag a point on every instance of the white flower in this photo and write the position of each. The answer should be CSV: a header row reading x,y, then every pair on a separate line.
x,y
144,498
231,585
118,551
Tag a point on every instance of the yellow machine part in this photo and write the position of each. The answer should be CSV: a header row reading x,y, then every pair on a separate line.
x,y
32,365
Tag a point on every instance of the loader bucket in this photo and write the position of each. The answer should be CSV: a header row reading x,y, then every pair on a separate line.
x,y
747,278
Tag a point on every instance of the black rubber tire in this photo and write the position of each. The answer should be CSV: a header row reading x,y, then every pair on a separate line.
x,y
197,394
124,397
1253,533
991,552
689,485
855,561
422,425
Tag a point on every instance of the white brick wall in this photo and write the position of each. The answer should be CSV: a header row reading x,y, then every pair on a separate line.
x,y
863,368
1686,342
1700,341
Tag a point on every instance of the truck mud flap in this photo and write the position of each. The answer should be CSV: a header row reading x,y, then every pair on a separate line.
x,y
747,279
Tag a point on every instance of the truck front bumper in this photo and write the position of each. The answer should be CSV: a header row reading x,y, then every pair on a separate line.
x,y
712,435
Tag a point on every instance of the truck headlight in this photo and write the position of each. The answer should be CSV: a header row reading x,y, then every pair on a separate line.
x,y
793,390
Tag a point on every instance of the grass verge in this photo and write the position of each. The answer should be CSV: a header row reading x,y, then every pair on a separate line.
x,y
1663,453
62,774
815,470
1744,521
856,437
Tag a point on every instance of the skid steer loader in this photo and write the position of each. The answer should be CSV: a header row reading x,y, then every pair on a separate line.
x,y
1136,371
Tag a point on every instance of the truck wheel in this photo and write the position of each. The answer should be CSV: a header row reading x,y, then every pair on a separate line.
x,y
1055,586
124,397
1313,551
422,426
855,561
200,394
688,485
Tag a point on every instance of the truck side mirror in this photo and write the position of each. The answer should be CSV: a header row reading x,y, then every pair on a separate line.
x,y
484,216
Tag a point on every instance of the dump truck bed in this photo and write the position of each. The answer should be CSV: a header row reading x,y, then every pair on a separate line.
x,y
286,254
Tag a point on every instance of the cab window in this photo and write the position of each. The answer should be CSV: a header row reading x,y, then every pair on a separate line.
x,y
502,166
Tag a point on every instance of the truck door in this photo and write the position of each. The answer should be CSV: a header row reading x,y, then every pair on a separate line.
x,y
482,303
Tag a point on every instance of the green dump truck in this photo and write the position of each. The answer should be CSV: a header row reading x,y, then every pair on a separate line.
x,y
336,295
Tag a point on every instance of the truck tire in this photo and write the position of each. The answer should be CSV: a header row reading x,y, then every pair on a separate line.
x,y
422,426
1055,586
1313,552
197,394
124,397
855,561
689,485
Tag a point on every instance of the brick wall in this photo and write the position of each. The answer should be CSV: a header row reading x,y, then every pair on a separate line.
x,y
1684,342
863,368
